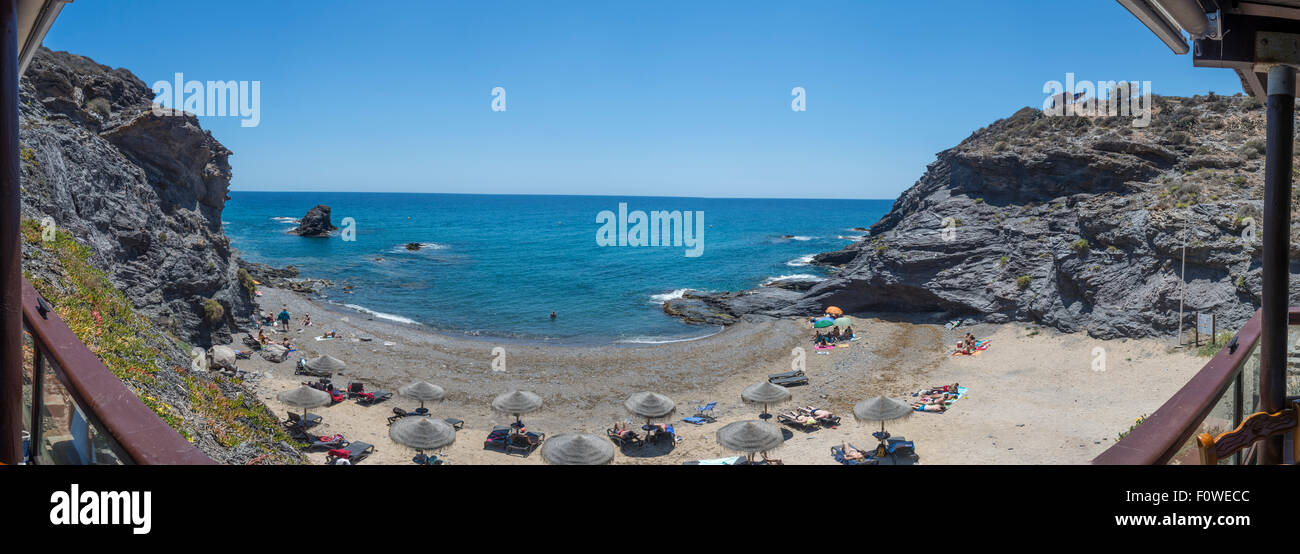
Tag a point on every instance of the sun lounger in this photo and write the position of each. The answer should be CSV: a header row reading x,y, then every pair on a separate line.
x,y
504,437
625,439
455,423
353,452
792,422
296,420
655,434
330,442
838,453
785,375
831,420
358,391
790,381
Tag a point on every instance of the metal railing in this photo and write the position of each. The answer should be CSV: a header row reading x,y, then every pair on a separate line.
x,y
76,411
1221,391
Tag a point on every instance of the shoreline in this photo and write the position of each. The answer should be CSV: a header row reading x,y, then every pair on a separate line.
x,y
1033,398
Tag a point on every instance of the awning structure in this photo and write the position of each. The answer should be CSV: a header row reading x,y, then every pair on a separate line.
x,y
1260,41
1246,36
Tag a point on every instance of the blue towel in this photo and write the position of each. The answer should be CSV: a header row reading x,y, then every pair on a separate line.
x,y
695,420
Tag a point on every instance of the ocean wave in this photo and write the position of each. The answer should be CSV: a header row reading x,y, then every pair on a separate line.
x,y
663,340
800,261
292,220
381,315
801,276
851,237
661,298
423,246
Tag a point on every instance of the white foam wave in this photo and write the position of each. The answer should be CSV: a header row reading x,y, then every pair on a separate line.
x,y
661,298
423,246
381,315
801,276
292,220
800,261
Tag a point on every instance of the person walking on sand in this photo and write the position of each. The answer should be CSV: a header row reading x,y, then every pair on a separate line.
x,y
284,317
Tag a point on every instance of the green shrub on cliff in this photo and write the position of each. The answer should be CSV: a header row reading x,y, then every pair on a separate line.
x,y
246,279
1022,282
213,311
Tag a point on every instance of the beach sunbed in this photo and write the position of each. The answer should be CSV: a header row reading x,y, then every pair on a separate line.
x,y
793,381
657,435
353,452
838,453
785,375
792,422
831,420
296,420
625,439
455,423
505,438
358,391
329,442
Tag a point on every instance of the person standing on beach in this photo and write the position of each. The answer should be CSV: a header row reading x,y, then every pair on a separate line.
x,y
284,317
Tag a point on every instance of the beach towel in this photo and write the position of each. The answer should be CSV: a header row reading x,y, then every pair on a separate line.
x,y
696,420
961,393
827,347
326,338
717,462
982,345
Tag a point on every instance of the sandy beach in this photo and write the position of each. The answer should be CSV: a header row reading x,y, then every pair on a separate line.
x,y
1035,396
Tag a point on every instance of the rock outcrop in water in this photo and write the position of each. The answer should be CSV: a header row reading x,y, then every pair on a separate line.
x,y
1077,223
316,223
144,192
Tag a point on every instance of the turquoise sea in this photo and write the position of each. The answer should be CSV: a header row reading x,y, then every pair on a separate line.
x,y
498,265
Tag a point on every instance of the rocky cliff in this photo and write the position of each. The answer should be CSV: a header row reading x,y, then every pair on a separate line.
x,y
144,192
1073,222
136,262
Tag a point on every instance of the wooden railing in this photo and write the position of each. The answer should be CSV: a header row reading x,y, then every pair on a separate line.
x,y
71,390
1162,436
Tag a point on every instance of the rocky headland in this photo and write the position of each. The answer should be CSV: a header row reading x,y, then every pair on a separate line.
x,y
1072,222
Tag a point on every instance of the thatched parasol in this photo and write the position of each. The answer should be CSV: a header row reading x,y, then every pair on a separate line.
x,y
424,392
304,397
765,393
577,449
326,364
517,403
750,437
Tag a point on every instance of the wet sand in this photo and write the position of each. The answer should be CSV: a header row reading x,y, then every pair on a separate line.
x,y
1034,398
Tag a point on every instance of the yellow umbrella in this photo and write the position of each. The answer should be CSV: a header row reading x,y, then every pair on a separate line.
x,y
834,311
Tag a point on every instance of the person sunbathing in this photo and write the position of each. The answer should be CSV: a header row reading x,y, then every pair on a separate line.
x,y
851,453
801,418
261,337
818,413
306,320
848,333
622,430
834,335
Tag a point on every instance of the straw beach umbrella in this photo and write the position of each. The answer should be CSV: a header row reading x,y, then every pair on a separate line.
x,y
326,364
578,449
516,403
304,397
881,409
649,405
765,393
424,392
750,437
422,433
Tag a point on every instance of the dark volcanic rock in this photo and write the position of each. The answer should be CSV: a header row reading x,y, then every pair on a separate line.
x,y
1071,222
144,192
412,246
316,223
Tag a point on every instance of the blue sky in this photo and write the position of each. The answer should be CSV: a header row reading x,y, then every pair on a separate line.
x,y
624,98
